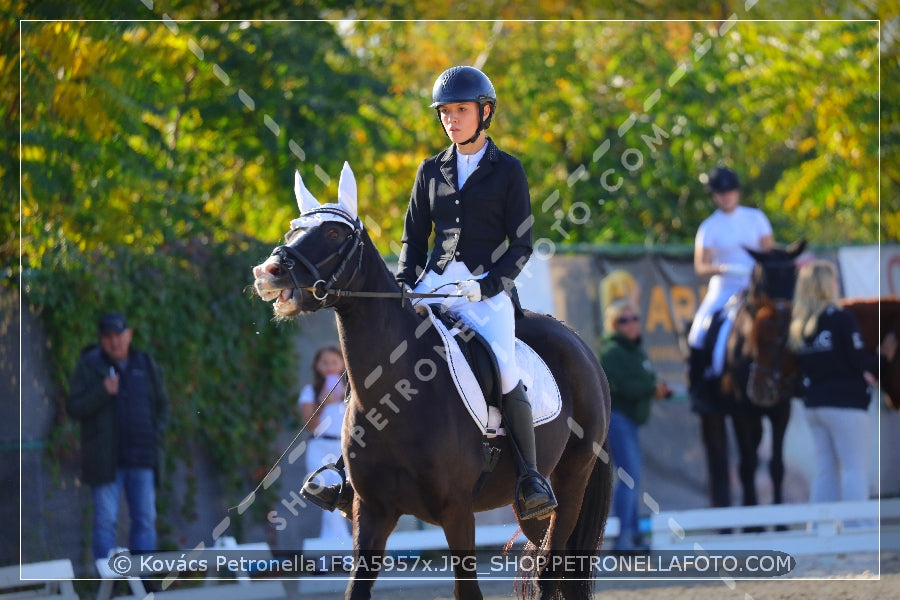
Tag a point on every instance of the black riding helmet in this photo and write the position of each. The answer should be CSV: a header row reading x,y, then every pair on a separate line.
x,y
465,84
721,180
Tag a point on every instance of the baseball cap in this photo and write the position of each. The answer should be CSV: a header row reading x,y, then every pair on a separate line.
x,y
112,323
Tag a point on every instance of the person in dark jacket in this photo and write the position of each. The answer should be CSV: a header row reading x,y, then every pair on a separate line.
x,y
633,386
118,394
836,371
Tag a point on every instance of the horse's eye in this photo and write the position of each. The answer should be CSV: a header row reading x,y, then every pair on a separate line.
x,y
332,234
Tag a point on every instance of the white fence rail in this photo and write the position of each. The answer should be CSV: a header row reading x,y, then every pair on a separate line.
x,y
822,528
38,581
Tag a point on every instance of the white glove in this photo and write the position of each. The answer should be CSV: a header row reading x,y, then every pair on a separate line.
x,y
737,269
471,289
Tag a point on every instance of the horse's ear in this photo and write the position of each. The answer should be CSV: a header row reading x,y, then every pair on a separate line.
x,y
797,248
305,201
347,191
757,256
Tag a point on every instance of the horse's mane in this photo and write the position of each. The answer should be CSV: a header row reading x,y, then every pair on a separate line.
x,y
381,276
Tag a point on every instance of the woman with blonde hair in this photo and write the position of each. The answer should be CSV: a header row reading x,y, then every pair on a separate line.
x,y
836,372
633,385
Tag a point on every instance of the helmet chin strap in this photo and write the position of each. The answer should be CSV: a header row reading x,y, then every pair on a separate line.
x,y
474,137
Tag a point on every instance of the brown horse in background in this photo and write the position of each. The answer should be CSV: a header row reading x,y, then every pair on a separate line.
x,y
759,375
867,313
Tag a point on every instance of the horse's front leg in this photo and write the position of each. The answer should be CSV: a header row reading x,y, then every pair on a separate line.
x,y
370,533
459,528
747,424
778,417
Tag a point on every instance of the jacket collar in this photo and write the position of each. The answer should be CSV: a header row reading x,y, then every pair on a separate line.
x,y
448,163
623,340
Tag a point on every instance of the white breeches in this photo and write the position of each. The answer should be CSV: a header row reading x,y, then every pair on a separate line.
x,y
717,296
493,318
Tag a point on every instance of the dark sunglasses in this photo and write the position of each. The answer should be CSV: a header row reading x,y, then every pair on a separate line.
x,y
631,319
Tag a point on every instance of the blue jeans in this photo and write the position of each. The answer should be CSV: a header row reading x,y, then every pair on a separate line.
x,y
625,448
141,497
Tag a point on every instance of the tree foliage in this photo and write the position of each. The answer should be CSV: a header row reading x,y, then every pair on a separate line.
x,y
615,141
195,127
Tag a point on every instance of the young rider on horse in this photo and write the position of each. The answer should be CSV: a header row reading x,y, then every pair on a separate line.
x,y
719,253
475,199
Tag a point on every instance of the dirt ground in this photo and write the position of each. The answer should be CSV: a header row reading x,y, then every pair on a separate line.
x,y
840,577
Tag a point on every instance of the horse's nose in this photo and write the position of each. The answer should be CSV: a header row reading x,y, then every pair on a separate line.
x,y
270,267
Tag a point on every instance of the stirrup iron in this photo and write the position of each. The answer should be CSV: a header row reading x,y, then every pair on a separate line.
x,y
311,488
541,511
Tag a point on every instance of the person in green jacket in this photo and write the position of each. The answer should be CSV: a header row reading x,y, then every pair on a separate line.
x,y
633,385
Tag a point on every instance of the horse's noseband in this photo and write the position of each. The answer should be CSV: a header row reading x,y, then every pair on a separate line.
x,y
324,287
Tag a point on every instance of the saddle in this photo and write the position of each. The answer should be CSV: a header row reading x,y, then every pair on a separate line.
x,y
715,344
478,354
476,376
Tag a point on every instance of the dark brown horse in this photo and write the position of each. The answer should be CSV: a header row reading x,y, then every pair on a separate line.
x,y
876,319
409,444
759,377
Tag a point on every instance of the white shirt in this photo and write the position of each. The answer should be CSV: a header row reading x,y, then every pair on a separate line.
x,y
466,163
726,235
330,416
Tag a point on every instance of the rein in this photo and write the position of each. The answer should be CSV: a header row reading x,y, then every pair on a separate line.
x,y
316,289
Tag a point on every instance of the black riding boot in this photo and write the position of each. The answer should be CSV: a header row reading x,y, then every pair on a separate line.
x,y
329,497
696,388
534,497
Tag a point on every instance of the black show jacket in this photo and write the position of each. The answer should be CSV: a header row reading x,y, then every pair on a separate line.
x,y
486,225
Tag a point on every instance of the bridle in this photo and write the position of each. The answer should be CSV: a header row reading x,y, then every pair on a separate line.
x,y
772,273
323,287
774,373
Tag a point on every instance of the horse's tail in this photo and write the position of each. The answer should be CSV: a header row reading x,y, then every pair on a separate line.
x,y
587,537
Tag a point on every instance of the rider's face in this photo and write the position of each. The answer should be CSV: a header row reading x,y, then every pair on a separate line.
x,y
727,201
460,120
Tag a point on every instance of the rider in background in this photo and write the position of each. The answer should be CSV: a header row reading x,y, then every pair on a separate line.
x,y
720,255
475,199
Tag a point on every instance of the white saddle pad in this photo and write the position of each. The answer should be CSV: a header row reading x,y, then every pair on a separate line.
x,y
543,393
